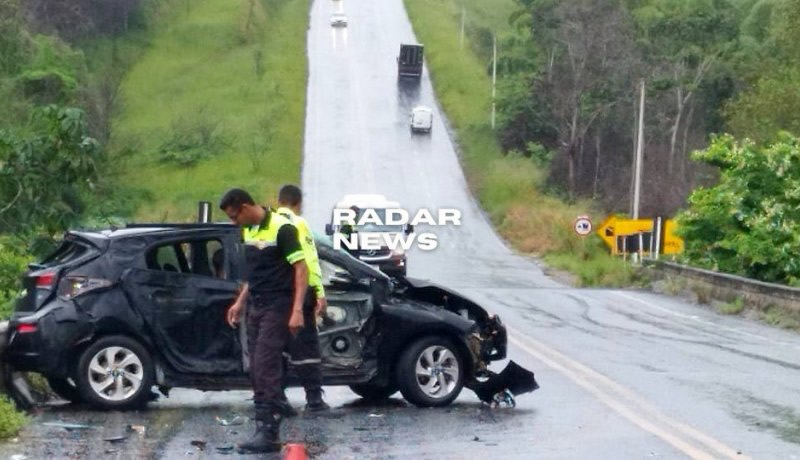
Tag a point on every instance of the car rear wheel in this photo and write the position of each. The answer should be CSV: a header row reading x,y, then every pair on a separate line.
x,y
430,372
115,372
65,389
373,392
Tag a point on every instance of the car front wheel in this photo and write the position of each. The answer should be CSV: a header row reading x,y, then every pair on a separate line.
x,y
430,372
115,372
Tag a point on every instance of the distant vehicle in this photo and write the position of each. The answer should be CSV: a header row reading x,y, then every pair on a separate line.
x,y
409,62
391,262
421,119
339,20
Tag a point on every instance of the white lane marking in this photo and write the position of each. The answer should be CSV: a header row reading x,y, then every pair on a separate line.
x,y
626,403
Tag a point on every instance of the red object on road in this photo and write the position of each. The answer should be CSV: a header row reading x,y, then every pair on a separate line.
x,y
295,452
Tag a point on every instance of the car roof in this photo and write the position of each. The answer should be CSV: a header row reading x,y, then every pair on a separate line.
x,y
422,108
149,229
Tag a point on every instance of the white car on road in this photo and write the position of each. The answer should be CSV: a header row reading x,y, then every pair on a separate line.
x,y
421,119
338,20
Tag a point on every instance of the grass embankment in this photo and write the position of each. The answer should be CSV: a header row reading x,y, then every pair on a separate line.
x,y
509,188
216,101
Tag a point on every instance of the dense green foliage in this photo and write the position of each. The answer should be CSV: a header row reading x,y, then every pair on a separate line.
x,y
749,223
10,420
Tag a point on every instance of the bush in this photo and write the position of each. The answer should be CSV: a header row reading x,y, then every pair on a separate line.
x,y
192,141
13,263
11,420
749,223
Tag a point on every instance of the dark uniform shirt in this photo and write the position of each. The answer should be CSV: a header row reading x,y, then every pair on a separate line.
x,y
270,250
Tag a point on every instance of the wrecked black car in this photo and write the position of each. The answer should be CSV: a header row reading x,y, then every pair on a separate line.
x,y
112,313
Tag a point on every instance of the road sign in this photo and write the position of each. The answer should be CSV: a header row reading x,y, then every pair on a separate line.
x,y
583,225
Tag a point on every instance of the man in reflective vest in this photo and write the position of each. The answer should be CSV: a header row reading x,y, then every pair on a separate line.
x,y
303,351
276,284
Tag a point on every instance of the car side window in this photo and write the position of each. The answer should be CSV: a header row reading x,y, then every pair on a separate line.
x,y
203,257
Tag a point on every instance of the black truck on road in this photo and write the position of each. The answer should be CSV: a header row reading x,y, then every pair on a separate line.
x,y
409,62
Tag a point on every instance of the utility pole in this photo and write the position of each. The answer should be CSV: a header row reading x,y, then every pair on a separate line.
x,y
463,19
494,76
637,185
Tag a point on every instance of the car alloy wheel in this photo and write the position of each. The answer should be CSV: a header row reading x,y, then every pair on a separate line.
x,y
115,373
437,372
431,372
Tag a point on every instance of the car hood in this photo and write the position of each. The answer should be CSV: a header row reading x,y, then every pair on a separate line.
x,y
436,294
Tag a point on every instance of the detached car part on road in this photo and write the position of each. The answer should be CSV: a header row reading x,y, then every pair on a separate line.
x,y
112,313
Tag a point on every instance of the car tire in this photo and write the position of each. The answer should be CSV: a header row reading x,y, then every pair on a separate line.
x,y
373,392
439,357
65,389
115,372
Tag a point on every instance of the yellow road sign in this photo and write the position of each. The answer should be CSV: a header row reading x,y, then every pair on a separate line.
x,y
615,226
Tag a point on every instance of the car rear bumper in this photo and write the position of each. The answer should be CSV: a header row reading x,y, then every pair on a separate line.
x,y
45,349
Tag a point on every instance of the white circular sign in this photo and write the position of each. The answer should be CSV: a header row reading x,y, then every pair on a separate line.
x,y
583,225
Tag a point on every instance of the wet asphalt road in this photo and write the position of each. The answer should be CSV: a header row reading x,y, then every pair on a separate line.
x,y
624,374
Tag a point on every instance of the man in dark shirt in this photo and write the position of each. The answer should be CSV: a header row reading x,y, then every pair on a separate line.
x,y
277,280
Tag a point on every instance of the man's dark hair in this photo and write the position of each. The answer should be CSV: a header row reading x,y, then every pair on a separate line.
x,y
290,195
235,198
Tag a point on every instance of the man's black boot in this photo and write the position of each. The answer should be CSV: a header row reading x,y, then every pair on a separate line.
x,y
314,402
266,437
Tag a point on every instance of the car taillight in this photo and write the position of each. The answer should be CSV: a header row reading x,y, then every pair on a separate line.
x,y
73,286
26,328
46,280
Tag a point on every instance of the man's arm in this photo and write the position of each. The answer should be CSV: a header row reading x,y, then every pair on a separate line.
x,y
299,295
235,310
289,245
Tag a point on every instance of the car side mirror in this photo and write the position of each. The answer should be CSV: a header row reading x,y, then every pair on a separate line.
x,y
409,229
328,229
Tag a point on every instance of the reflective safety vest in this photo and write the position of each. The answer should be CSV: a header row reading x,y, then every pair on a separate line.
x,y
269,266
309,250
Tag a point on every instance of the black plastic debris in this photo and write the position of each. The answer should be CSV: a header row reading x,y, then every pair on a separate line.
x,y
514,379
199,444
115,439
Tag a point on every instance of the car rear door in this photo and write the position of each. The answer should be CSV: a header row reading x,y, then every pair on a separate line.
x,y
184,298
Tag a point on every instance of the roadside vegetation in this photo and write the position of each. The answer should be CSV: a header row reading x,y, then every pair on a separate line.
x,y
569,74
100,121
218,98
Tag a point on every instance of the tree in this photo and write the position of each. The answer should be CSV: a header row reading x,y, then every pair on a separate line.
x,y
44,177
591,58
683,41
749,223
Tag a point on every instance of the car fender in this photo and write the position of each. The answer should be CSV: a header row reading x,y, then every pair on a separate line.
x,y
411,320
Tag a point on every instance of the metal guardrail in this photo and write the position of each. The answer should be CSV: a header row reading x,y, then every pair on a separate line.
x,y
736,286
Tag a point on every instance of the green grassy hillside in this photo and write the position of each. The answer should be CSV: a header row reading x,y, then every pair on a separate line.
x,y
216,100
